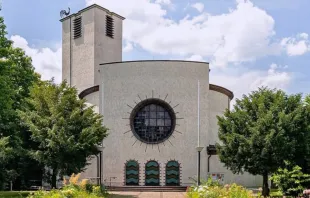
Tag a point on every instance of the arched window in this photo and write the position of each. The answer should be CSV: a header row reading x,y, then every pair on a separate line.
x,y
172,173
152,173
132,173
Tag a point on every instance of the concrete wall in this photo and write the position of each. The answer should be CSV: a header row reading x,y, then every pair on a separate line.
x,y
93,100
122,83
82,52
91,49
66,50
106,49
91,169
218,103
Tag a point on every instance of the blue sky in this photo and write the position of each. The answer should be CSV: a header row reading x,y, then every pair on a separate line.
x,y
248,43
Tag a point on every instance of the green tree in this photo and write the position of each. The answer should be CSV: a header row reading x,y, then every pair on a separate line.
x,y
16,77
307,100
5,151
6,109
66,129
291,180
261,131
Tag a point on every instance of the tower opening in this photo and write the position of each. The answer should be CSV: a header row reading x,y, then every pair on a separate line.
x,y
77,27
109,27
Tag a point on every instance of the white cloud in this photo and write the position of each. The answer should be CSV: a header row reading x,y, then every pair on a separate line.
x,y
198,6
195,58
296,46
46,61
245,33
128,47
245,82
303,35
165,2
274,78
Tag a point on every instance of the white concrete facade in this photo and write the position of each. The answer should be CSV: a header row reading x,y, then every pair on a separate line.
x,y
94,65
81,56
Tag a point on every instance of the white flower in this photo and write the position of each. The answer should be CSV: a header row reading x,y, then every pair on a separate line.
x,y
200,189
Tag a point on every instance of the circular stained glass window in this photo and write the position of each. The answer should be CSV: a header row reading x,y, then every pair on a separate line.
x,y
152,121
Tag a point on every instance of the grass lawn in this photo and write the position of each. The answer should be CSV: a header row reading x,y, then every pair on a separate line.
x,y
14,194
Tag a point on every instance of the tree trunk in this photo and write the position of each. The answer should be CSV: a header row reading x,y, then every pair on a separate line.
x,y
266,190
54,178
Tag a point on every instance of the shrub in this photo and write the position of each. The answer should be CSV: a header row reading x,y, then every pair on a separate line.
x,y
211,183
291,180
73,189
13,194
68,193
219,191
236,191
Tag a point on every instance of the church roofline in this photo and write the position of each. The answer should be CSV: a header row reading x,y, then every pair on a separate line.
x,y
154,61
88,91
90,7
222,90
212,87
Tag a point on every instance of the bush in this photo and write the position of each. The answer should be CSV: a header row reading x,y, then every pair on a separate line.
x,y
291,180
68,193
276,193
13,194
219,191
74,189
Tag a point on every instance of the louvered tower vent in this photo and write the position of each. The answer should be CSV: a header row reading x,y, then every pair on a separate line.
x,y
109,27
77,27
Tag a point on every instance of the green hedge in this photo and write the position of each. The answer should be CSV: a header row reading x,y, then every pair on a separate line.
x,y
14,194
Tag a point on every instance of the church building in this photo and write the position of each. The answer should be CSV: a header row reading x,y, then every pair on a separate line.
x,y
161,114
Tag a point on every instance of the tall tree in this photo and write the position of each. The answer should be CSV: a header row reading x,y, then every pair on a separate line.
x,y
6,109
16,77
5,154
66,130
263,130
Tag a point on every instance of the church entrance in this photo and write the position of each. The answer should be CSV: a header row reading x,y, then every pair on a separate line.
x,y
152,173
132,173
172,173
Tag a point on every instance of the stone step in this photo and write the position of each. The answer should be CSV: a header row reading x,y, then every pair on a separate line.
x,y
148,188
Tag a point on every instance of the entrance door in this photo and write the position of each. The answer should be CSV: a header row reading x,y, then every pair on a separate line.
x,y
132,173
172,173
152,173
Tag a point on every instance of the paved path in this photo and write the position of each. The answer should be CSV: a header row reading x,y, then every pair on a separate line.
x,y
147,195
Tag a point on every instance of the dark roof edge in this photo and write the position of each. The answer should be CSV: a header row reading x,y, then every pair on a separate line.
x,y
88,91
212,87
153,61
90,7
222,90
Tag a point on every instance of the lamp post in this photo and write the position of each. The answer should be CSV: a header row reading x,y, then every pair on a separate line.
x,y
99,164
198,148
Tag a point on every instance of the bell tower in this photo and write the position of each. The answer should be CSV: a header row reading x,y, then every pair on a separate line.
x,y
91,36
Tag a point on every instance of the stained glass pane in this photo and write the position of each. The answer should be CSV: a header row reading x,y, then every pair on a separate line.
x,y
160,114
153,114
167,122
153,123
160,122
152,107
